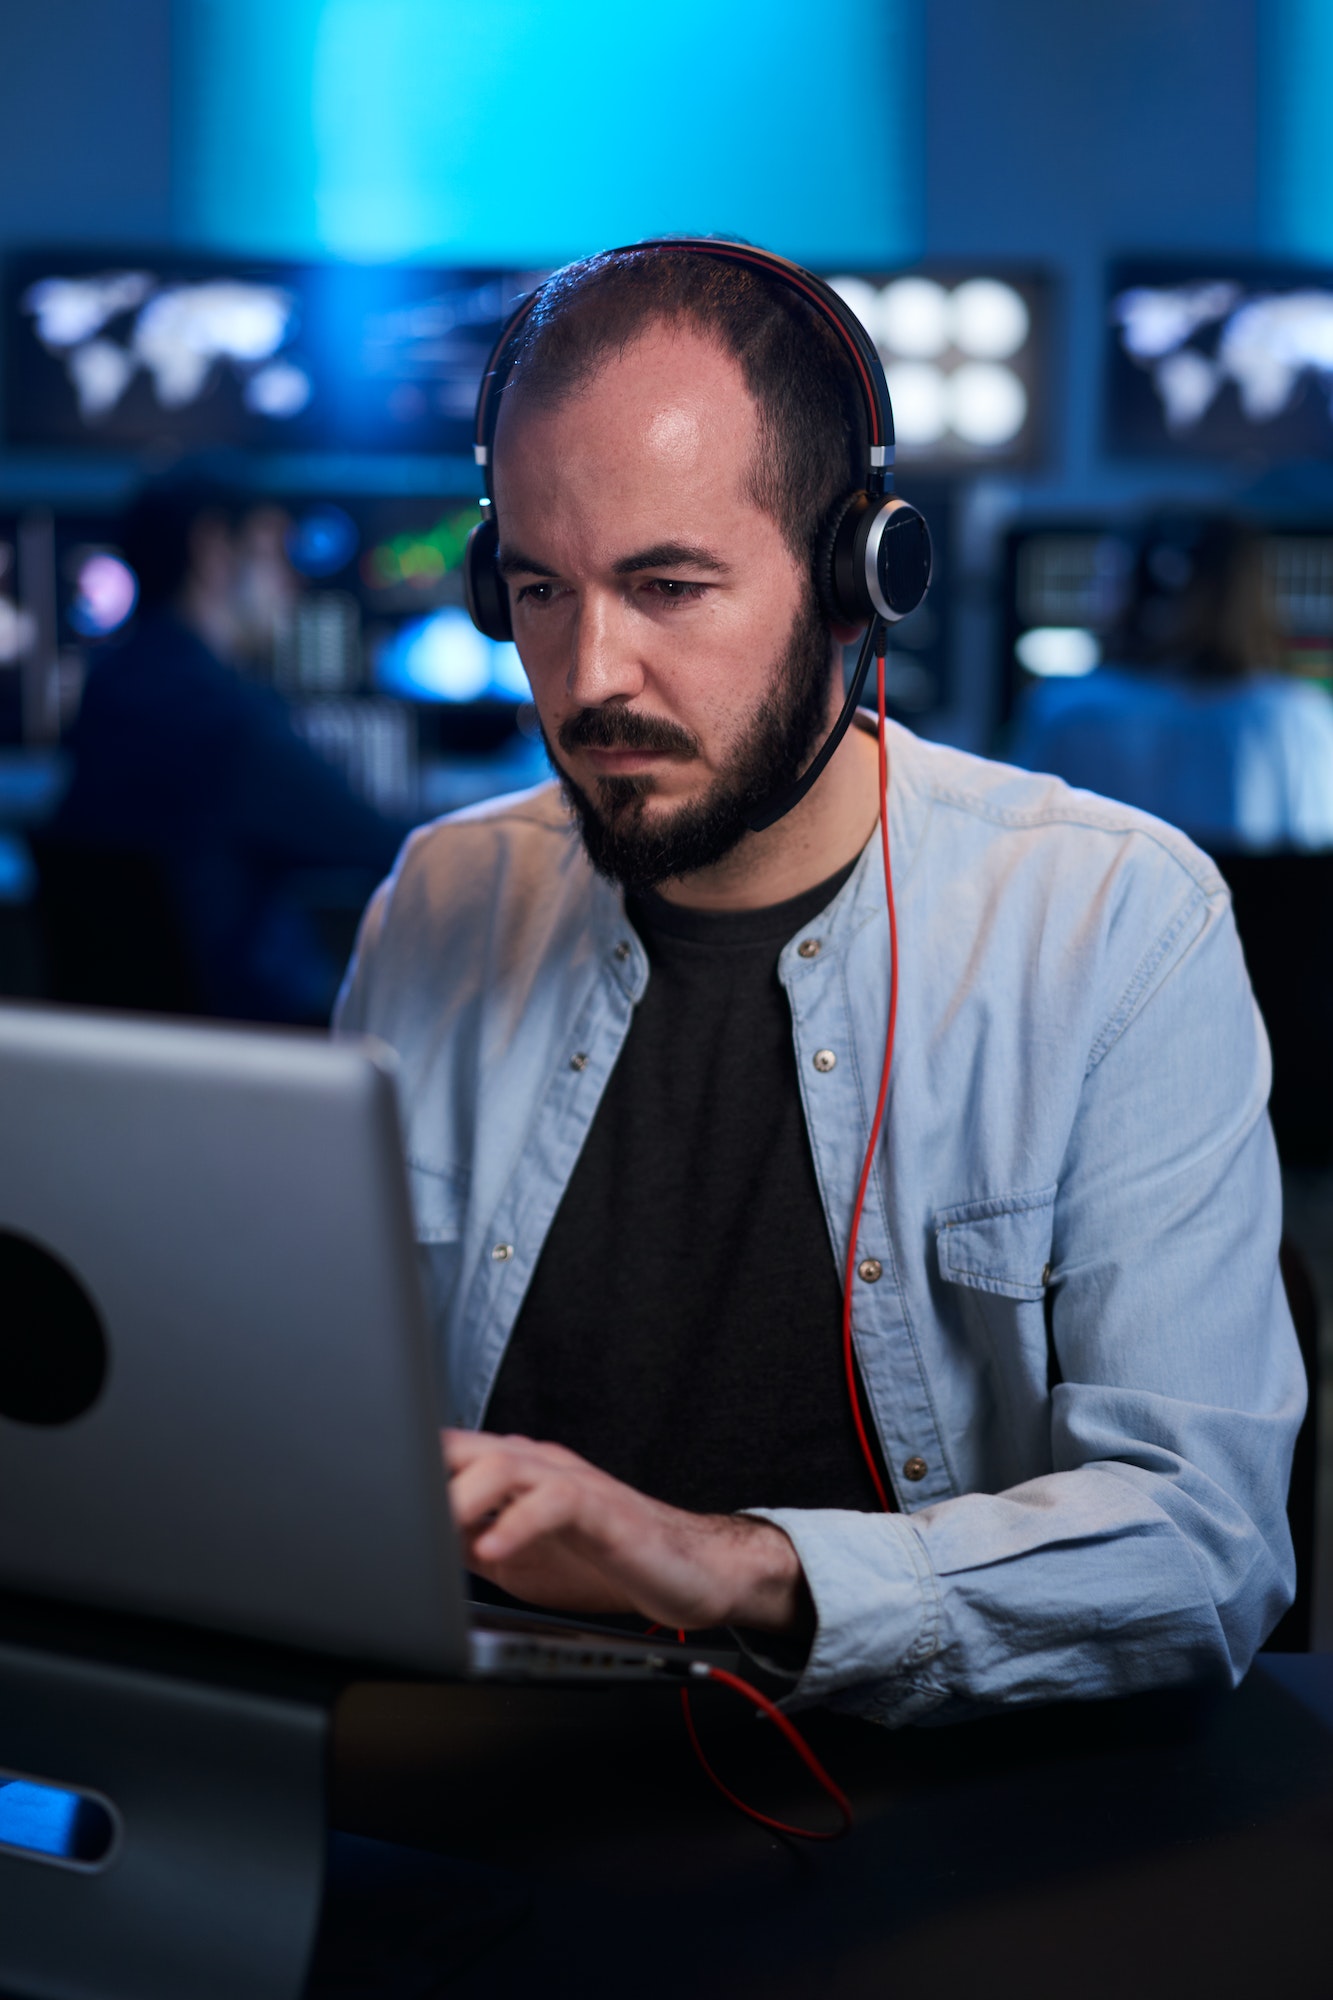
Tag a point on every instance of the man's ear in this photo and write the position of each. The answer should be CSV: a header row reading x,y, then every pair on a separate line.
x,y
845,635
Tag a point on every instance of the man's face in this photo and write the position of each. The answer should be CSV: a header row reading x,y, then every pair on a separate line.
x,y
679,667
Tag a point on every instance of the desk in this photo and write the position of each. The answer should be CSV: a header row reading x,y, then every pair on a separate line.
x,y
1171,1845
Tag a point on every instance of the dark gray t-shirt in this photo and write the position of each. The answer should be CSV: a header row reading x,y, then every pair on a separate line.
x,y
683,1325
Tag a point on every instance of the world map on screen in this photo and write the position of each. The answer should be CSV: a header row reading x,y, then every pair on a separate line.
x,y
111,326
1195,339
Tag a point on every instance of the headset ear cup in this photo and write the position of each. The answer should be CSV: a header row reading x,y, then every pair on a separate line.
x,y
486,591
903,559
880,561
840,600
849,593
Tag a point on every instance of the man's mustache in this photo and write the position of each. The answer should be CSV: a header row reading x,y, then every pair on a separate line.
x,y
625,729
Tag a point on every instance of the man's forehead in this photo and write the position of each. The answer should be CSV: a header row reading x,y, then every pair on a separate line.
x,y
674,386
648,465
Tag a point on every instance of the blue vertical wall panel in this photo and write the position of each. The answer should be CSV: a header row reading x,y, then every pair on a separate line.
x,y
532,130
1296,126
85,130
1063,134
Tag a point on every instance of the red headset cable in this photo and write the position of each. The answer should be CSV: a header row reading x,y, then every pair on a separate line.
x,y
702,1671
720,1674
867,1165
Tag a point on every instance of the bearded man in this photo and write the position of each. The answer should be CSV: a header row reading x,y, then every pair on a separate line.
x,y
639,1048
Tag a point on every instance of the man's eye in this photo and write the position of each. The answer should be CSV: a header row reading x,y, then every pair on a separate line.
x,y
536,593
674,589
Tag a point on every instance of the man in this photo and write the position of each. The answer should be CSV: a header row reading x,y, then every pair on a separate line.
x,y
640,1046
182,761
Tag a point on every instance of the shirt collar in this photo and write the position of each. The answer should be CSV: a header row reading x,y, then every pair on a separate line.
x,y
858,902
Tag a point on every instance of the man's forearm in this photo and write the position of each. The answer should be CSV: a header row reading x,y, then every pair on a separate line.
x,y
547,1526
764,1570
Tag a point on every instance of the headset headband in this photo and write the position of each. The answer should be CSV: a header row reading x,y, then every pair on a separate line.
x,y
835,312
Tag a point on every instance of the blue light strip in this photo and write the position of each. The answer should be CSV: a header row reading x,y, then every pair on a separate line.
x,y
1295,130
38,1817
529,132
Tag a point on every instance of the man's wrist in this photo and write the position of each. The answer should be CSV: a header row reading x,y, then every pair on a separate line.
x,y
770,1593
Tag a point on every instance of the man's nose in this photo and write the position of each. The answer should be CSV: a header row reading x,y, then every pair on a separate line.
x,y
605,663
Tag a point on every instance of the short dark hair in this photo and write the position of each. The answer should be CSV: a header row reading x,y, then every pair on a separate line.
x,y
814,434
154,535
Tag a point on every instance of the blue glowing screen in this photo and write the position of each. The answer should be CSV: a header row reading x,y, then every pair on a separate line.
x,y
444,658
322,541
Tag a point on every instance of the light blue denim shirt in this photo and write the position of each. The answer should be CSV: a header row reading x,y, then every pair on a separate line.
x,y
1078,1356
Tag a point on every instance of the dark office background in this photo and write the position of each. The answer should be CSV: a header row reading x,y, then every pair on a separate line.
x,y
866,135
388,142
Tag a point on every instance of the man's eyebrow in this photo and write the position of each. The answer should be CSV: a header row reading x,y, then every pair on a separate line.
x,y
511,560
672,555
662,555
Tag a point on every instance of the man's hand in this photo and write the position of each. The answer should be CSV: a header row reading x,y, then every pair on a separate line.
x,y
548,1527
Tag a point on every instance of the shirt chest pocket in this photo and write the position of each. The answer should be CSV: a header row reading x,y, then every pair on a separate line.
x,y
1001,1244
995,1259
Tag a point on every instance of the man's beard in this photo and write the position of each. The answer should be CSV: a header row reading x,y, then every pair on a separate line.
x,y
776,747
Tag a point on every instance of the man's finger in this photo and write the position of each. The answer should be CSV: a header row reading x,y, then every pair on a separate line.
x,y
483,1489
462,1448
545,1509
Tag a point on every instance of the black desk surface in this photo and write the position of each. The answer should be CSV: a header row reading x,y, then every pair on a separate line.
x,y
1175,1845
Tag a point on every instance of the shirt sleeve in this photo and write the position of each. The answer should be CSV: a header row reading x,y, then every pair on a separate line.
x,y
353,1010
1157,1550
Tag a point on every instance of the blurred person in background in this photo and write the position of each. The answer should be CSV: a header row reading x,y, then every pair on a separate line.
x,y
1190,719
182,760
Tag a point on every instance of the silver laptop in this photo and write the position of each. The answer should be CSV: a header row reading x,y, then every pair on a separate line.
x,y
217,1401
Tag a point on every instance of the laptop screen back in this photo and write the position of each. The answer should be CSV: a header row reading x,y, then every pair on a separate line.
x,y
216,1398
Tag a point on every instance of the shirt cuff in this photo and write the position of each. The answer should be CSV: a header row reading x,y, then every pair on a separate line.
x,y
876,1596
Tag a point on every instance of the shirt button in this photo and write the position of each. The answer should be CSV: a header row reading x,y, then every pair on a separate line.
x,y
501,1253
824,1060
580,1061
622,950
870,1269
1046,1274
915,1468
809,948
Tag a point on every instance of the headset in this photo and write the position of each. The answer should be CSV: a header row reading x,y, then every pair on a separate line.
x,y
872,553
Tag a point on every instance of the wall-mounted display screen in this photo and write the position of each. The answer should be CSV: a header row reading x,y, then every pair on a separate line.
x,y
964,353
162,351
1219,360
1068,583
